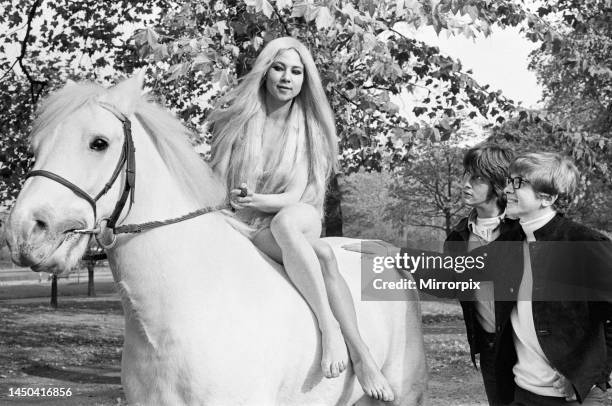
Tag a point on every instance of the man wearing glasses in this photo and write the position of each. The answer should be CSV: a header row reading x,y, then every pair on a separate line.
x,y
552,288
558,352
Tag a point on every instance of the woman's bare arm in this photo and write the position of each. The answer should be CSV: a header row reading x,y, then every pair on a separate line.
x,y
273,203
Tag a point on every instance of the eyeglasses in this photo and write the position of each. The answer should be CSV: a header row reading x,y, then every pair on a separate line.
x,y
516,182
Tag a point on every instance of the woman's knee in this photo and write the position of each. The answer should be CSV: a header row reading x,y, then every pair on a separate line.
x,y
282,224
323,250
296,218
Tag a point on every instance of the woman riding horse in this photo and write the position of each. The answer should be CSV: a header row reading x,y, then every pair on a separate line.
x,y
275,144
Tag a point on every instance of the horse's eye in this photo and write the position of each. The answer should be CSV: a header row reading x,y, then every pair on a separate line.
x,y
98,144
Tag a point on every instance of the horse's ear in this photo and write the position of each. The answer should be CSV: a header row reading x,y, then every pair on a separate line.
x,y
126,95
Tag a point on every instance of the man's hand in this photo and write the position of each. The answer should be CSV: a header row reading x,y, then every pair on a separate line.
x,y
373,247
564,386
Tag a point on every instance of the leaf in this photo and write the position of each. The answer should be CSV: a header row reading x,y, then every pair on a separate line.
x,y
300,8
350,11
369,42
257,43
400,7
324,18
266,8
436,135
311,12
221,26
445,124
472,11
200,59
419,110
160,52
176,71
283,4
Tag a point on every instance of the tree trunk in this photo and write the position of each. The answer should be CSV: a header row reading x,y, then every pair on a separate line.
x,y
91,290
333,209
54,292
449,218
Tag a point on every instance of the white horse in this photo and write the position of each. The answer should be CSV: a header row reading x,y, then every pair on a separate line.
x,y
209,320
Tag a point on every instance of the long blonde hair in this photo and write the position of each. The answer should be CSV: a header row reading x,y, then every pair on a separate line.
x,y
239,119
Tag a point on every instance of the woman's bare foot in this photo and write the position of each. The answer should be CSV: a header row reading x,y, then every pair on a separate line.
x,y
335,355
372,380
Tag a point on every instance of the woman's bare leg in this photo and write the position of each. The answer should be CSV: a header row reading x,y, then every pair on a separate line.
x,y
367,371
290,230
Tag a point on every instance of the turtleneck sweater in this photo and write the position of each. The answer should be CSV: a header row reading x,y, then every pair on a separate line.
x,y
532,371
482,232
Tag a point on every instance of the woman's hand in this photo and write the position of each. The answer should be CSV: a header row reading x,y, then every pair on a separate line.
x,y
242,198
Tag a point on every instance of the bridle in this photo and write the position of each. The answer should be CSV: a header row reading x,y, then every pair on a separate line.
x,y
108,226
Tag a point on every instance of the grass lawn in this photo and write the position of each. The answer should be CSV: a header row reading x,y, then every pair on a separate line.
x,y
78,346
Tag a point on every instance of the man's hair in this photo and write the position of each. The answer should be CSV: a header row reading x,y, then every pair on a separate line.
x,y
492,162
549,173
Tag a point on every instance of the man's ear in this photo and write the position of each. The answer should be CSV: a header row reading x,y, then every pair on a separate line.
x,y
548,200
126,95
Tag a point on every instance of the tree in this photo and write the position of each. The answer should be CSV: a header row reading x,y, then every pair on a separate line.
x,y
591,205
573,66
195,50
426,190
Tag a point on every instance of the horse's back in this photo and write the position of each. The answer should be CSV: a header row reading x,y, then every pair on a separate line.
x,y
244,329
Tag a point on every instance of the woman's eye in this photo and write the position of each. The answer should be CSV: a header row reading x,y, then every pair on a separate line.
x,y
278,68
98,144
297,72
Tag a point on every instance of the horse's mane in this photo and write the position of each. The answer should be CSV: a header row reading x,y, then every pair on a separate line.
x,y
168,134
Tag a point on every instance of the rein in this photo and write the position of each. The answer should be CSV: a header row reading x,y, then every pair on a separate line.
x,y
108,226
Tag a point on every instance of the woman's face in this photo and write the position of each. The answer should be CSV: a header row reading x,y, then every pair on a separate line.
x,y
285,76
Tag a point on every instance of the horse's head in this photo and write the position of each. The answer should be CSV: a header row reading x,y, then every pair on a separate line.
x,y
81,141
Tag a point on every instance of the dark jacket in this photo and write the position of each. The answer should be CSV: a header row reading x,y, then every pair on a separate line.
x,y
576,335
456,244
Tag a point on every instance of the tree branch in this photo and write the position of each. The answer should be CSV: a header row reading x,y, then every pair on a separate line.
x,y
280,19
345,97
24,47
9,70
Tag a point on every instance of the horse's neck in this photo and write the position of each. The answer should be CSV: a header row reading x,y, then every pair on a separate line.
x,y
153,268
156,194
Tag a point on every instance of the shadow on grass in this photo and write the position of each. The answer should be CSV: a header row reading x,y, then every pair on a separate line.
x,y
80,375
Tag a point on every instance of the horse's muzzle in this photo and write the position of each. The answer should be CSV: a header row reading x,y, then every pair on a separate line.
x,y
37,241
